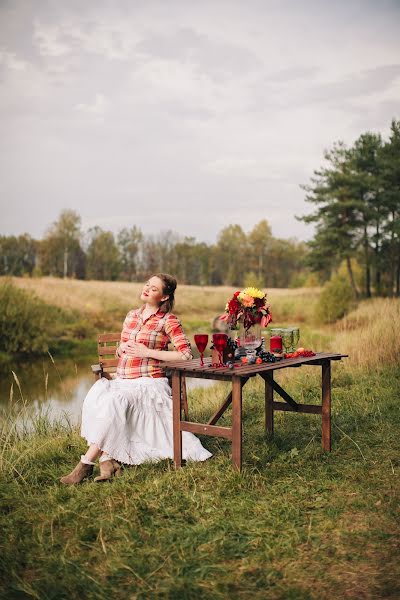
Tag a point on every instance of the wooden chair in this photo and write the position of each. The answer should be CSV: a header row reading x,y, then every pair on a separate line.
x,y
107,365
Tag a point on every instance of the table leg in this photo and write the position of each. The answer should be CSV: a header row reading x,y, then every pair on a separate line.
x,y
326,405
269,406
236,423
176,418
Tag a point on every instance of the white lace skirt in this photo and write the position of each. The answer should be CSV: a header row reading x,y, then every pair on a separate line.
x,y
131,420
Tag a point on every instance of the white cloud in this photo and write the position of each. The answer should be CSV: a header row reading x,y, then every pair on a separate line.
x,y
126,108
10,61
250,168
111,40
96,108
48,39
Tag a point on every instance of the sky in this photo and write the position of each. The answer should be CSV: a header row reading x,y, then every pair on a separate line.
x,y
184,115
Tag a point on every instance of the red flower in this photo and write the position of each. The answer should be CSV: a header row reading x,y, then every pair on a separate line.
x,y
233,306
236,294
265,320
259,302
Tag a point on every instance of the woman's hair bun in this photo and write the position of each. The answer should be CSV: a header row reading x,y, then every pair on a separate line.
x,y
169,287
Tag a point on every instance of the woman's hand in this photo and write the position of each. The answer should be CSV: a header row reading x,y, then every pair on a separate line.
x,y
135,350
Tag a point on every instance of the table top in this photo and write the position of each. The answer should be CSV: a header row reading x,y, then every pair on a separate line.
x,y
192,368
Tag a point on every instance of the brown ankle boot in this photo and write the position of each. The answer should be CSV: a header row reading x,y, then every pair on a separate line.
x,y
80,473
108,470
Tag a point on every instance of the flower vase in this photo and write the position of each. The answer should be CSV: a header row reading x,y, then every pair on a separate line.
x,y
250,338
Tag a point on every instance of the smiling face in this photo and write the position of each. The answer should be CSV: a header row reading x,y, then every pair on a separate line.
x,y
152,292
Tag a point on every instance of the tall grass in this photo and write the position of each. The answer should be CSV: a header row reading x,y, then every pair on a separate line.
x,y
370,334
27,324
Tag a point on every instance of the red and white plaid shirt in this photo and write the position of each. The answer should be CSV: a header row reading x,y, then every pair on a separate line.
x,y
156,332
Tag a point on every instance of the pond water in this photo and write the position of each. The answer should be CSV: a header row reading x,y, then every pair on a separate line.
x,y
57,388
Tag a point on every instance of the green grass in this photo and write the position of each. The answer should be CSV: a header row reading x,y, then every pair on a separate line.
x,y
295,524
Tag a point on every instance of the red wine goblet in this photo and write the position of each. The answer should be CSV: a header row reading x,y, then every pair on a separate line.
x,y
220,342
201,341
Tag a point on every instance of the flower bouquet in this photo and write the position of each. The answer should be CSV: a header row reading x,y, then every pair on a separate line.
x,y
250,310
248,306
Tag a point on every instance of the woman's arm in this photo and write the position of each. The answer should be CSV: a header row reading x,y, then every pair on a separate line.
x,y
137,350
166,355
174,331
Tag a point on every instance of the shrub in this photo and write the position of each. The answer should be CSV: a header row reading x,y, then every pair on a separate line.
x,y
27,324
252,280
297,280
335,301
312,280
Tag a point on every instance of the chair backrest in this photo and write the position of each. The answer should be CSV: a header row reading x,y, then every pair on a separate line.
x,y
106,347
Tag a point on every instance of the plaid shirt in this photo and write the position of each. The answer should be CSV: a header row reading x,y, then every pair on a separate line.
x,y
156,332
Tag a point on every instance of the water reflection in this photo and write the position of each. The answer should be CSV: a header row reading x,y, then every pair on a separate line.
x,y
56,389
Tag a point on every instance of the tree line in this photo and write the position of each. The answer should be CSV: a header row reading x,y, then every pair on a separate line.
x,y
237,258
356,200
356,196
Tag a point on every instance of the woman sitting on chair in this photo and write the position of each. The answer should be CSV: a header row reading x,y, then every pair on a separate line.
x,y
129,419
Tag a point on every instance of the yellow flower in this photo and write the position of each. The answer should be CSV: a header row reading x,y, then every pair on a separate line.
x,y
253,292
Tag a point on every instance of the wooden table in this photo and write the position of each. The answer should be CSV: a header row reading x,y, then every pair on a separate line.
x,y
238,378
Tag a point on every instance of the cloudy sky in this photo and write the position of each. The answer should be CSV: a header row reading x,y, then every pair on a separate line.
x,y
184,115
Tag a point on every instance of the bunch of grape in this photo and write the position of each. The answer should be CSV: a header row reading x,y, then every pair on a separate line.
x,y
267,357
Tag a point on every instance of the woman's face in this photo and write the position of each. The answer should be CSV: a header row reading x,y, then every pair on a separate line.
x,y
153,292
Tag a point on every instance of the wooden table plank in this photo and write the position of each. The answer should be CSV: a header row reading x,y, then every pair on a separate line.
x,y
212,430
313,409
218,413
193,366
283,394
204,375
109,337
286,362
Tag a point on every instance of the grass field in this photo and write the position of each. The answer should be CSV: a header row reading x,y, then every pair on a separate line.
x,y
295,524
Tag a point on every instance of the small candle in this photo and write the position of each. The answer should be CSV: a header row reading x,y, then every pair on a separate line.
x,y
275,343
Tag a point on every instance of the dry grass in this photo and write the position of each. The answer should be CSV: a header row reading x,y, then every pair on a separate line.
x,y
193,303
370,334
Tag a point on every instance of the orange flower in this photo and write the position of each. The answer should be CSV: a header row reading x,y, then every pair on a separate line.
x,y
247,300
